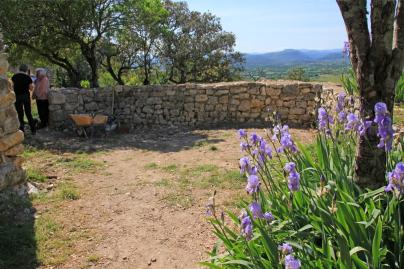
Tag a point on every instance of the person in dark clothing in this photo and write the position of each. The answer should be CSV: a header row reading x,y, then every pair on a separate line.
x,y
22,84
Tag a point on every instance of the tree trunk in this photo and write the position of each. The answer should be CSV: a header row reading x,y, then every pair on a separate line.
x,y
378,63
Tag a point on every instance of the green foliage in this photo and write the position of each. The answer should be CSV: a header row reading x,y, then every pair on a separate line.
x,y
330,221
349,82
297,73
400,90
85,84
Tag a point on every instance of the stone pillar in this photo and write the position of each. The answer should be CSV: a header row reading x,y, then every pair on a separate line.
x,y
11,172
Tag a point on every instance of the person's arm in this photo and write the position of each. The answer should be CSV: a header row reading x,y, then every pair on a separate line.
x,y
31,87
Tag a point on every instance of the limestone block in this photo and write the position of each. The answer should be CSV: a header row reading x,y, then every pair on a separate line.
x,y
91,106
201,98
14,151
7,100
268,101
57,115
221,92
4,86
255,103
234,102
273,92
244,96
10,175
290,89
8,121
148,110
297,111
245,105
11,140
189,107
213,100
224,99
3,63
56,98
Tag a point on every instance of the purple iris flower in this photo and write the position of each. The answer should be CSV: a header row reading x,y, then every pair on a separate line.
x,y
342,116
268,216
384,126
324,120
242,133
340,102
345,49
293,178
244,164
285,248
253,184
244,146
246,227
255,210
291,262
396,179
255,138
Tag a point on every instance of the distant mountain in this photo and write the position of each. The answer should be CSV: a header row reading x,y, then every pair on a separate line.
x,y
292,57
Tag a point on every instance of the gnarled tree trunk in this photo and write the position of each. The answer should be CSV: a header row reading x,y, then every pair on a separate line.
x,y
377,58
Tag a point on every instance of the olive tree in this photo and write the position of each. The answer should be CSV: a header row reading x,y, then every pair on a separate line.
x,y
377,57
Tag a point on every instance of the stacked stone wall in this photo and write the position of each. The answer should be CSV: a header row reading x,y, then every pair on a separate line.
x,y
11,137
191,105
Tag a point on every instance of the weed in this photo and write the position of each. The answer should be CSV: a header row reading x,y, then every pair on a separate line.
x,y
93,258
35,175
170,168
200,143
213,148
67,191
151,166
180,199
79,163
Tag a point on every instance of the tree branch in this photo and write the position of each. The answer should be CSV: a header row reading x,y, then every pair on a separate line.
x,y
354,15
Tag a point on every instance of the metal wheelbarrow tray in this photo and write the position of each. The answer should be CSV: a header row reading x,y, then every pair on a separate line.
x,y
87,121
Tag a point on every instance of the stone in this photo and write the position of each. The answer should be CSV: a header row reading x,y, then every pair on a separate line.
x,y
297,111
255,103
224,99
7,100
245,105
56,98
290,90
11,140
201,98
15,150
91,106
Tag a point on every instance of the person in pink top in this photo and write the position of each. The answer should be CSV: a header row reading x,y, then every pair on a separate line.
x,y
40,93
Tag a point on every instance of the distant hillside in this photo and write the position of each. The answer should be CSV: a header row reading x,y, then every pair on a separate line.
x,y
290,57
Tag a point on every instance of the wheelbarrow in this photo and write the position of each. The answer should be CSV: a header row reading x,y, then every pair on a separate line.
x,y
86,123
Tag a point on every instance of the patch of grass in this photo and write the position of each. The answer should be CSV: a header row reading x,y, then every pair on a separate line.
x,y
398,115
151,166
213,148
79,163
201,169
200,143
171,168
180,199
35,175
163,183
67,191
93,258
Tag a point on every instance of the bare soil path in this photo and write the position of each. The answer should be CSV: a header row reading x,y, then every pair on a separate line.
x,y
143,206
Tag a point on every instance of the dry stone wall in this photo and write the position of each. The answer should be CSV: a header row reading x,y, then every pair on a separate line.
x,y
11,137
191,105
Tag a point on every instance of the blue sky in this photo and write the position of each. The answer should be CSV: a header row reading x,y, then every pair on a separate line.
x,y
272,25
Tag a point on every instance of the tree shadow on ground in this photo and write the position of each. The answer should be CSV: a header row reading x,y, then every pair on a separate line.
x,y
17,232
161,140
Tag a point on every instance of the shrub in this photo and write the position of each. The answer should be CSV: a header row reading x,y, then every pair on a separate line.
x,y
306,211
400,90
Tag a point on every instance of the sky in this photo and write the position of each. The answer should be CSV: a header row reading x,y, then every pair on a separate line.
x,y
273,25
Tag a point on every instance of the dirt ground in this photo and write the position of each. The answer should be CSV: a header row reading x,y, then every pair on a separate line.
x,y
143,204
